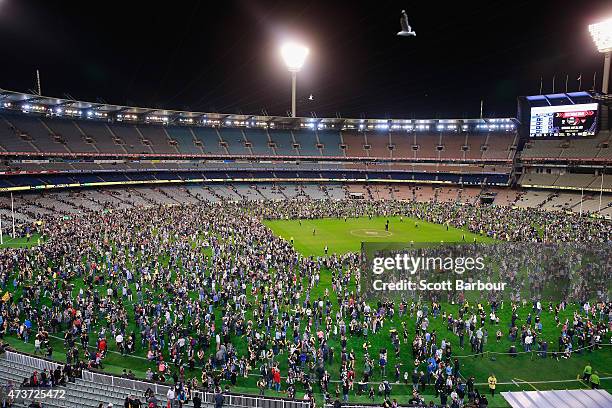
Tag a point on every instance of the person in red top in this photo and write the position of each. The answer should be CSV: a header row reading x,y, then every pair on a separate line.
x,y
102,346
276,378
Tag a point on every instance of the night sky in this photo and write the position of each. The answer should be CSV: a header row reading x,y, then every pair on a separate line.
x,y
224,56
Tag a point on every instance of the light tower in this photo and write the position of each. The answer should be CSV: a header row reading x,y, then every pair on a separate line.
x,y
294,56
602,36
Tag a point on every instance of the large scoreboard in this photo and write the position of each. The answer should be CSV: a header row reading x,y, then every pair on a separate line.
x,y
563,120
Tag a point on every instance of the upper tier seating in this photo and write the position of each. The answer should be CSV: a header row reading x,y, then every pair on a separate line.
x,y
355,142
36,133
283,142
307,141
597,147
185,140
331,143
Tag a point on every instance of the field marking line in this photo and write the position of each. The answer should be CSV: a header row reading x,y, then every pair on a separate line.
x,y
528,383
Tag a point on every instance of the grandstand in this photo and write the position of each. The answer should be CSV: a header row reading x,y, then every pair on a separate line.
x,y
94,146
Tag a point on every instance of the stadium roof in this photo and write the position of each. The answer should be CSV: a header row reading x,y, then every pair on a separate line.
x,y
559,399
93,110
569,98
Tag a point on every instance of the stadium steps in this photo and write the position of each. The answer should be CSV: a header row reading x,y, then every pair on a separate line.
x,y
142,138
260,194
168,139
116,137
28,142
225,147
52,133
78,394
198,146
84,136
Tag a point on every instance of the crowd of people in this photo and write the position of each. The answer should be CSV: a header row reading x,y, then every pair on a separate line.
x,y
209,287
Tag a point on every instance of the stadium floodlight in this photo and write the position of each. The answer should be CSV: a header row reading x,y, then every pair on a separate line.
x,y
294,56
602,36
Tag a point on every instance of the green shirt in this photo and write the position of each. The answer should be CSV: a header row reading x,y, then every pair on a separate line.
x,y
588,369
595,379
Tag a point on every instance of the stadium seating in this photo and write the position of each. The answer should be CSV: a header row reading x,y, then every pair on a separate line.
x,y
474,144
533,198
42,136
379,144
499,146
236,141
79,393
331,142
428,145
12,139
260,144
446,194
582,148
403,145
538,179
209,140
307,141
355,142
430,158
334,191
33,206
184,138
157,138
102,137
283,142
452,144
424,194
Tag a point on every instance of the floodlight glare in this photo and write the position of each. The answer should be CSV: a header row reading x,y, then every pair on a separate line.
x,y
294,55
602,35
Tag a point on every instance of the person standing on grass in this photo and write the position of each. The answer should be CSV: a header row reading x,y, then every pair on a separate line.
x,y
119,341
586,373
492,383
276,379
261,384
595,380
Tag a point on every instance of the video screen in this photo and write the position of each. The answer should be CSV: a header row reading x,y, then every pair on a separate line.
x,y
564,120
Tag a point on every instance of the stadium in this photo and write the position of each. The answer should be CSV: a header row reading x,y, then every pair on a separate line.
x,y
161,257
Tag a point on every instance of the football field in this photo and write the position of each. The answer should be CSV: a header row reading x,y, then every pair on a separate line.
x,y
341,236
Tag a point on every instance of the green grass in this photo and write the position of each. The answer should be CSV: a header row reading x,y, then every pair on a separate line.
x,y
19,242
343,236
